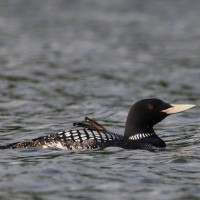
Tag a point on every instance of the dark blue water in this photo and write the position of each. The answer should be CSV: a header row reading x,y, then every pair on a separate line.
x,y
63,60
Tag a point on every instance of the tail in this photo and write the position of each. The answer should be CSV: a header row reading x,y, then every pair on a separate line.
x,y
23,144
9,146
3,147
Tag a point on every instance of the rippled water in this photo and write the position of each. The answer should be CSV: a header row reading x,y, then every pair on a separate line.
x,y
63,60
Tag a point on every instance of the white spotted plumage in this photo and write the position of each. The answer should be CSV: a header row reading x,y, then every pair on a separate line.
x,y
80,139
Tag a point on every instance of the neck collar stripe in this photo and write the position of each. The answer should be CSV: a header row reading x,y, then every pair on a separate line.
x,y
140,136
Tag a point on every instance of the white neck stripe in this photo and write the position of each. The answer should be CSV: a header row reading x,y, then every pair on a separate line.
x,y
140,136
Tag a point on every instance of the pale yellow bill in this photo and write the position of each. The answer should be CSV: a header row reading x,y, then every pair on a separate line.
x,y
176,108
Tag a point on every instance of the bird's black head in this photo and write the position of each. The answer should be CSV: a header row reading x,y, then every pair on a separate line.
x,y
147,112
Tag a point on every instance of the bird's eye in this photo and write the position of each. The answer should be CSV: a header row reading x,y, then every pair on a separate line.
x,y
151,106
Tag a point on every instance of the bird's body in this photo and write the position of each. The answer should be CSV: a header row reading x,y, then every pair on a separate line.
x,y
139,133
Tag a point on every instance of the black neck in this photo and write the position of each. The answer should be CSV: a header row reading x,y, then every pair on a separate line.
x,y
132,129
137,122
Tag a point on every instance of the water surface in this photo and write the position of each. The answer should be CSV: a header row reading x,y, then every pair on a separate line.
x,y
63,60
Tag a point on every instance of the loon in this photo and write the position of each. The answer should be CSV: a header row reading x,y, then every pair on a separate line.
x,y
139,132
